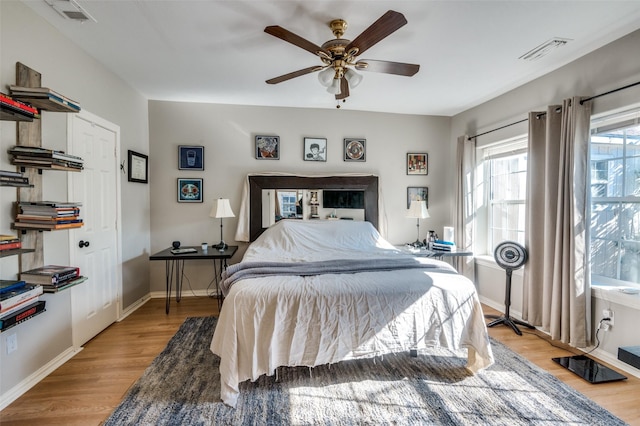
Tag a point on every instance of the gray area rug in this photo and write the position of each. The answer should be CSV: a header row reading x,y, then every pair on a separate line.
x,y
182,387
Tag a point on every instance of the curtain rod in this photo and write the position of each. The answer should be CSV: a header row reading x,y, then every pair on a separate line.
x,y
581,102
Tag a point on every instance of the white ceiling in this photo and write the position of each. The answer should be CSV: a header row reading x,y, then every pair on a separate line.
x,y
218,52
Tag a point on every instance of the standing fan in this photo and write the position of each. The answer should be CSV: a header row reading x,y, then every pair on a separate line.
x,y
510,256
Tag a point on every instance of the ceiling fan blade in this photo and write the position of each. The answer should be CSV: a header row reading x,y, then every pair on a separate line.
x,y
294,74
384,26
296,40
387,67
344,89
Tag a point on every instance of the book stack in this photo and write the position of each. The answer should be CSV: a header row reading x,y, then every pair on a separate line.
x,y
48,215
44,98
19,301
53,278
9,242
9,178
14,110
443,245
42,158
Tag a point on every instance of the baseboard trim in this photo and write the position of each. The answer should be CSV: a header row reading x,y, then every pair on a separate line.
x,y
190,293
612,360
18,390
134,307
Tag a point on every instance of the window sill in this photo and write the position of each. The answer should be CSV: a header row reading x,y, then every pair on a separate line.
x,y
612,294
490,262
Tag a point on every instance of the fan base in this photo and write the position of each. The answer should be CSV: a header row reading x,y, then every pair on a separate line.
x,y
511,322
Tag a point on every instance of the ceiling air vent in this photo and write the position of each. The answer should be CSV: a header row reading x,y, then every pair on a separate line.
x,y
544,48
70,9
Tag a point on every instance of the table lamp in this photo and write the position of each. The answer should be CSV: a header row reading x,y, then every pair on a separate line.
x,y
221,209
418,210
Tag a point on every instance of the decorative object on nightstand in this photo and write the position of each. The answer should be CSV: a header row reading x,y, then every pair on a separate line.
x,y
418,210
221,209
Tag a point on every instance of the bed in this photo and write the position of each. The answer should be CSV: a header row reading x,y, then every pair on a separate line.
x,y
309,293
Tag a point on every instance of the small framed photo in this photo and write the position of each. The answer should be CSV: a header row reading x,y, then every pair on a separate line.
x,y
267,147
315,149
417,164
190,157
354,150
417,193
189,190
138,167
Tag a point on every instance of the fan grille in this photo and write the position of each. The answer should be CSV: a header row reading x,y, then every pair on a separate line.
x,y
510,255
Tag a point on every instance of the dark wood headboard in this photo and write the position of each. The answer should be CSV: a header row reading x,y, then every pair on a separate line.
x,y
368,184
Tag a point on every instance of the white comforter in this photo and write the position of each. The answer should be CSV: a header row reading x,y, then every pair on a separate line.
x,y
307,321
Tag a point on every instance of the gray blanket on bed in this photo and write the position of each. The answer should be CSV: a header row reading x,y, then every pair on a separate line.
x,y
244,270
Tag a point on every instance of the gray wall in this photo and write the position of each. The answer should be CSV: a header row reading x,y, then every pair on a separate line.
x,y
227,133
610,67
27,38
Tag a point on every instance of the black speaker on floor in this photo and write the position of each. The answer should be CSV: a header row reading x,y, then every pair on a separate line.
x,y
510,256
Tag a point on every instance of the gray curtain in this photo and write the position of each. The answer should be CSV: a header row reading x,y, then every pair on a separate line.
x,y
557,278
465,208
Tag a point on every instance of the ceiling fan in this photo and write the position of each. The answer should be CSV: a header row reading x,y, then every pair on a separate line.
x,y
340,56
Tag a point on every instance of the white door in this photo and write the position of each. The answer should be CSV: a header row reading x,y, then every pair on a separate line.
x,y
96,302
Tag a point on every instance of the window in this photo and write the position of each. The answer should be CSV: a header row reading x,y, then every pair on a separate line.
x,y
505,166
615,199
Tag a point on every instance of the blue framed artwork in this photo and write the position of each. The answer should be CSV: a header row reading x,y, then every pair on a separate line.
x,y
190,157
189,190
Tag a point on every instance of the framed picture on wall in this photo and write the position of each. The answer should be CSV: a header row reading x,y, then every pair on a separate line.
x,y
354,149
138,167
267,147
190,157
417,193
189,190
417,164
315,149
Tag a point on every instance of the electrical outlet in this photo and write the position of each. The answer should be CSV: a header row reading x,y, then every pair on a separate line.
x,y
605,326
608,313
12,343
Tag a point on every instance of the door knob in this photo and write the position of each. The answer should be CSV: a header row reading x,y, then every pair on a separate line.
x,y
83,243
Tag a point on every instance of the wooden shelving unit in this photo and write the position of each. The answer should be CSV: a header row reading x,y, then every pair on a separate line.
x,y
29,133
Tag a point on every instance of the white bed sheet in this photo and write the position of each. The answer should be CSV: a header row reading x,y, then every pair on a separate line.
x,y
308,321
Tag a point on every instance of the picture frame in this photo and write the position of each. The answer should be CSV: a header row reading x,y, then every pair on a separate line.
x,y
138,170
315,149
190,157
190,190
355,149
417,193
417,164
267,147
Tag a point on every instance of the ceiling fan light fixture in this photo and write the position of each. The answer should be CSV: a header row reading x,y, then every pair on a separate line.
x,y
325,77
353,78
334,88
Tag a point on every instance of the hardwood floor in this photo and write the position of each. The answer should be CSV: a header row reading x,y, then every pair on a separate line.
x,y
88,387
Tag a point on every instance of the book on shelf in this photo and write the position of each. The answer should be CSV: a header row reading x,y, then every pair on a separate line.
x,y
14,180
35,151
47,218
8,237
50,227
11,246
9,173
20,294
18,105
54,288
53,204
24,314
50,274
34,94
5,312
8,285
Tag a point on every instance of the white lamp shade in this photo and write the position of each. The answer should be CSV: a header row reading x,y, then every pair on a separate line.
x,y
334,89
326,76
353,78
221,208
418,210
